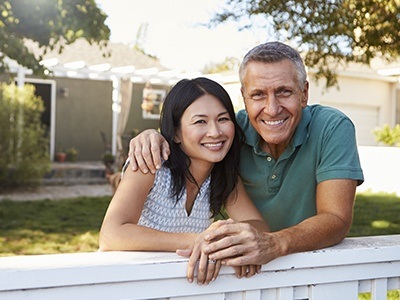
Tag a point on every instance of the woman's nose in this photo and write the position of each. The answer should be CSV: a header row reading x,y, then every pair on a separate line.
x,y
213,129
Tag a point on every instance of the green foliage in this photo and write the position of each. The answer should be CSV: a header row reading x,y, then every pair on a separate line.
x,y
72,154
388,136
391,295
331,33
108,158
229,64
49,23
24,158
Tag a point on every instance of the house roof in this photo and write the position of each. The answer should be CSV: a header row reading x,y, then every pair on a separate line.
x,y
84,60
92,54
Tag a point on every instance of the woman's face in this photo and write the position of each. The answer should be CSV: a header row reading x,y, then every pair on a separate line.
x,y
207,131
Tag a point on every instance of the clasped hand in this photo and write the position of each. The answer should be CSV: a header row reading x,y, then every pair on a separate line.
x,y
225,242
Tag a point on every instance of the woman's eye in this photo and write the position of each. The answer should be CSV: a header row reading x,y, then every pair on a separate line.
x,y
199,122
224,119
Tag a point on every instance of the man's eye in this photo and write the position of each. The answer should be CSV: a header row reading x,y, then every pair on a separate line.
x,y
284,93
258,96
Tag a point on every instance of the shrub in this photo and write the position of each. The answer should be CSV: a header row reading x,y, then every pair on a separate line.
x,y
388,136
24,158
72,154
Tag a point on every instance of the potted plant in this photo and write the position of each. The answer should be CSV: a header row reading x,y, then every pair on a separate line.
x,y
60,156
108,160
72,154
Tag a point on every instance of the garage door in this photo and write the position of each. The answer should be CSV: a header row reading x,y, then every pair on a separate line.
x,y
365,118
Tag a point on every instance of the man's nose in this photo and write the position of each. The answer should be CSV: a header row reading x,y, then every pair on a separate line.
x,y
271,106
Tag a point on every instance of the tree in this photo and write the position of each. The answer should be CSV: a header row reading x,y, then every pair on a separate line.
x,y
230,63
50,23
330,32
24,158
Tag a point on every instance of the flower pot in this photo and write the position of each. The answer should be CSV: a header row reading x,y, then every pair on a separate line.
x,y
61,156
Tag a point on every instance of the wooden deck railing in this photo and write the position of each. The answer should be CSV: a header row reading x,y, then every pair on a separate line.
x,y
357,265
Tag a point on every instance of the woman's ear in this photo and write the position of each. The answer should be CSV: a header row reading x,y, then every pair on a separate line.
x,y
177,137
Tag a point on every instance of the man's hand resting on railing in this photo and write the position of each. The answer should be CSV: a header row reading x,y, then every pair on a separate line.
x,y
240,244
209,241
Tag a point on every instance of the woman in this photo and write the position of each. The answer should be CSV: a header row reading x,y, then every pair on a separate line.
x,y
173,208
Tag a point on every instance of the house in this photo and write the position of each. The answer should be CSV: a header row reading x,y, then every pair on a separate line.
x,y
93,102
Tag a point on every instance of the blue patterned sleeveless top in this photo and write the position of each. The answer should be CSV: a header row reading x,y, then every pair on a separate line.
x,y
162,212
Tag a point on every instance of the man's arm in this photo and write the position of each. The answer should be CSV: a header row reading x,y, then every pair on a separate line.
x,y
238,245
145,151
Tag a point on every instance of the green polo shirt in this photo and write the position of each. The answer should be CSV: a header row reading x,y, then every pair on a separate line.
x,y
322,148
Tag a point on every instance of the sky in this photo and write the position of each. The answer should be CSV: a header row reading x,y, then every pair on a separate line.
x,y
174,34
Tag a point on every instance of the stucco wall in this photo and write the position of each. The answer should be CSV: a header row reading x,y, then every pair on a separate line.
x,y
87,111
83,115
136,120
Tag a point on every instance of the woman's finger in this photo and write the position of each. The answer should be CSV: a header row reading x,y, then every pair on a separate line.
x,y
211,266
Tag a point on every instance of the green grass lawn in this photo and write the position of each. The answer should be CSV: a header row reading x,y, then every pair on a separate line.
x,y
72,225
61,226
376,214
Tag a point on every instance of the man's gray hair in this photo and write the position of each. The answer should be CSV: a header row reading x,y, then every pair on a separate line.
x,y
275,52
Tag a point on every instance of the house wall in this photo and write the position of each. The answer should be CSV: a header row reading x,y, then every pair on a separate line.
x,y
86,114
135,119
82,116
367,101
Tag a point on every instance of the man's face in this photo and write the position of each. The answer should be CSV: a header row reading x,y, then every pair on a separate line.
x,y
274,102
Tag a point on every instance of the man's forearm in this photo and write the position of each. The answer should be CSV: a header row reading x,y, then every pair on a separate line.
x,y
317,232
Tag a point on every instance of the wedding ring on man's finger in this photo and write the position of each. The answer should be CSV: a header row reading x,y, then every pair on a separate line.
x,y
211,261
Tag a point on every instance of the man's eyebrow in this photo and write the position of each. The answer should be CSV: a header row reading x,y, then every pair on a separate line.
x,y
287,87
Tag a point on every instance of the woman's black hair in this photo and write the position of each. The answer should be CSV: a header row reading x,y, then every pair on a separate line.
x,y
224,175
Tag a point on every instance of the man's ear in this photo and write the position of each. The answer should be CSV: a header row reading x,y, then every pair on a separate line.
x,y
242,92
304,99
244,101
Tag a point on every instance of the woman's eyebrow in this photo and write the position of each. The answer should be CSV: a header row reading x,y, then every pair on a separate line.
x,y
205,116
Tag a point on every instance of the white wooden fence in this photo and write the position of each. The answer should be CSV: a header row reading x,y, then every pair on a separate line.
x,y
357,265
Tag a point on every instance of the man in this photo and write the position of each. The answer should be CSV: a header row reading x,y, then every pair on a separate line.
x,y
299,163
